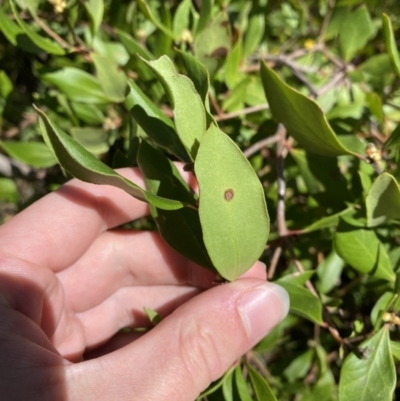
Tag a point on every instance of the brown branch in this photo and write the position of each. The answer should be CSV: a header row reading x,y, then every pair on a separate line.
x,y
274,262
280,210
248,110
51,33
260,144
216,106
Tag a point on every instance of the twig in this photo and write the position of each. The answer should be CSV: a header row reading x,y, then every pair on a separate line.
x,y
260,144
274,262
333,82
284,60
280,210
216,106
248,110
51,33
325,22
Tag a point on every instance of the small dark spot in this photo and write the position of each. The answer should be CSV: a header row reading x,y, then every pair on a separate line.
x,y
219,53
228,195
225,23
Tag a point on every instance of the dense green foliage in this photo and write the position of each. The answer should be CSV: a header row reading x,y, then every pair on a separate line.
x,y
317,119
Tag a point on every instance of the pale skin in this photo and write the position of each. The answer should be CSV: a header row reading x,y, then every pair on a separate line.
x,y
69,281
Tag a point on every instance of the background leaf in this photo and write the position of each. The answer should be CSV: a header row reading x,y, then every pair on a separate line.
x,y
390,41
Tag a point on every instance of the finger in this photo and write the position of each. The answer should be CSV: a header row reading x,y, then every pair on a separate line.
x,y
188,350
55,231
121,258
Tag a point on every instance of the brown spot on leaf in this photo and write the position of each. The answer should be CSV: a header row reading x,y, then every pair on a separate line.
x,y
228,195
219,53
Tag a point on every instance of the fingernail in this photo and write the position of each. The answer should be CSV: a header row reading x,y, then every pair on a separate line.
x,y
263,307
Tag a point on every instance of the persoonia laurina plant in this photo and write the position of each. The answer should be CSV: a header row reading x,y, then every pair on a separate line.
x,y
225,227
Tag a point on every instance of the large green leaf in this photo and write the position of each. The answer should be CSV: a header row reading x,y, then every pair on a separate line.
x,y
212,44
262,390
390,41
81,164
154,122
189,111
77,85
49,46
302,302
180,228
92,139
361,249
35,154
383,200
329,271
355,31
233,212
111,78
370,376
95,9
301,116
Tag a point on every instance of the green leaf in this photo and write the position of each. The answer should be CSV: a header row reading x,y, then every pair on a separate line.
x,y
133,47
262,390
146,10
88,113
394,138
8,190
253,34
35,154
189,111
198,74
111,78
77,85
355,31
92,139
49,46
301,116
241,385
372,375
154,122
383,200
179,228
302,302
361,249
6,85
329,271
181,18
381,306
95,9
390,41
212,45
329,221
153,316
81,164
299,366
232,65
395,348
205,15
232,208
227,386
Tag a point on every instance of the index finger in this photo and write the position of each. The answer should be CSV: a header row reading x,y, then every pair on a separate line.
x,y
58,229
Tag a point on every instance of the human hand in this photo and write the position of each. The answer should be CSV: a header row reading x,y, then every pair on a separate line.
x,y
69,282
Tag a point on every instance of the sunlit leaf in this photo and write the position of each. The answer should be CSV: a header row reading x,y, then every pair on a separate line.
x,y
154,122
383,200
370,374
390,41
92,139
301,116
205,15
35,154
189,111
361,249
232,208
329,271
95,9
8,190
241,385
81,164
262,390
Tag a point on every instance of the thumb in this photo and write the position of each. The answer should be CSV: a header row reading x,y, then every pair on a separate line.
x,y
191,348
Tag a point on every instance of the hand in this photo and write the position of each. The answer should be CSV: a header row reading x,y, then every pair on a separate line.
x,y
69,282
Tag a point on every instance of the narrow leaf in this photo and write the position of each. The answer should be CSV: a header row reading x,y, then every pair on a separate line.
x,y
81,164
390,41
301,116
154,122
383,200
35,154
329,271
153,316
179,228
394,138
241,385
302,302
329,221
95,9
189,111
370,375
45,44
262,390
133,47
77,85
233,212
205,15
362,250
